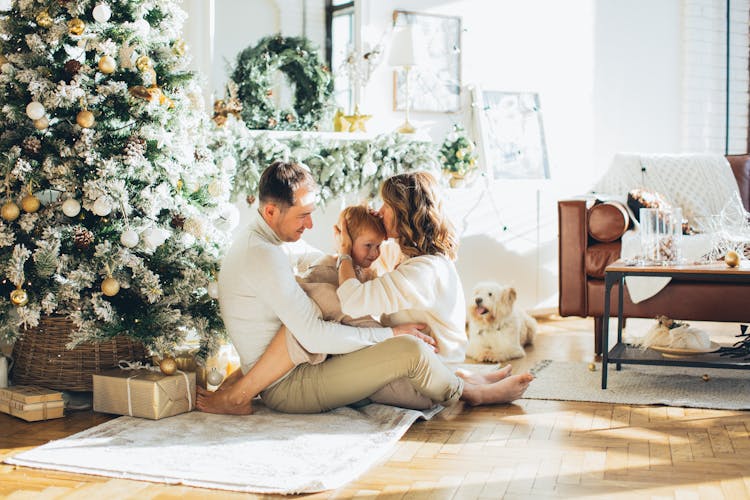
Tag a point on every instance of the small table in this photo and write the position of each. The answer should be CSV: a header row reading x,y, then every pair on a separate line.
x,y
616,272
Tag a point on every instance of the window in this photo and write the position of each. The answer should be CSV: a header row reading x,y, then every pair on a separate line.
x,y
340,41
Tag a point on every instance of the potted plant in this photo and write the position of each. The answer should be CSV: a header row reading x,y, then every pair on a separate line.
x,y
458,155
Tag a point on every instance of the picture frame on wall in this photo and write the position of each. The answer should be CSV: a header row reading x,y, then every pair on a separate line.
x,y
510,134
435,84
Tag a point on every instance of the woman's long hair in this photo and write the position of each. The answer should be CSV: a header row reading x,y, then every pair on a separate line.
x,y
421,226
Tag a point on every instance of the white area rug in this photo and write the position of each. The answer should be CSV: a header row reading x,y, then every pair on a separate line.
x,y
267,452
642,385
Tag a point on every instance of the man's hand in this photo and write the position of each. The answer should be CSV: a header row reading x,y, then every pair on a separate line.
x,y
414,329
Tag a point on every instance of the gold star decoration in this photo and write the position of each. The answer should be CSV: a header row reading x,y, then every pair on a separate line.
x,y
357,121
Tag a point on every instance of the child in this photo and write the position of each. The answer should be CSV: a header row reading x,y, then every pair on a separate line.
x,y
320,283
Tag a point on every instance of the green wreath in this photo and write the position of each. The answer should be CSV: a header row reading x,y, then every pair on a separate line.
x,y
295,57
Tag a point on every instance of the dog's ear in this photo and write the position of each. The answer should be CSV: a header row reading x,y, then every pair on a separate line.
x,y
511,294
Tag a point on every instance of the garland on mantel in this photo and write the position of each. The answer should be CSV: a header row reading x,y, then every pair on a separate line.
x,y
339,167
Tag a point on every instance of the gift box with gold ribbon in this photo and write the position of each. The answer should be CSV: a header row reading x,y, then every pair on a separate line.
x,y
31,403
143,391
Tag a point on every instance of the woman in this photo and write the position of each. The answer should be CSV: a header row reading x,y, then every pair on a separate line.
x,y
412,214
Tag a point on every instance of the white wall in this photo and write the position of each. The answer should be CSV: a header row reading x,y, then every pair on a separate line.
x,y
610,78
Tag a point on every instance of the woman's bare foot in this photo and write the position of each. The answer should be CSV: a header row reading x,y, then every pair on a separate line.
x,y
221,402
484,378
504,391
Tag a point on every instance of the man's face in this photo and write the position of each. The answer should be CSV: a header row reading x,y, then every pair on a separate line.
x,y
289,224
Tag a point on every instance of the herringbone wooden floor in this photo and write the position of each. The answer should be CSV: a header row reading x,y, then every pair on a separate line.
x,y
531,449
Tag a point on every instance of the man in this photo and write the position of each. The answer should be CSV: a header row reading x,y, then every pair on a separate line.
x,y
258,293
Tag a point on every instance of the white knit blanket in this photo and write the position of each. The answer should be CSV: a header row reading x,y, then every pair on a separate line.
x,y
701,184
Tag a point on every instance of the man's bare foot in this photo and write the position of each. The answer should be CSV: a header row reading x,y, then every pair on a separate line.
x,y
504,391
484,378
220,402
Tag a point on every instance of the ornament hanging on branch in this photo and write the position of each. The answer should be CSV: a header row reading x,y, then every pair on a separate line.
x,y
43,19
30,203
19,297
10,211
102,12
85,119
76,26
107,65
82,238
35,110
71,207
168,366
42,123
110,286
102,206
129,238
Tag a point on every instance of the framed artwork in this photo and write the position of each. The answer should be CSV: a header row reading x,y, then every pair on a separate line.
x,y
511,134
435,85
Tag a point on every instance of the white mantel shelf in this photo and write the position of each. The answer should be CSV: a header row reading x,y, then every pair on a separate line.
x,y
283,135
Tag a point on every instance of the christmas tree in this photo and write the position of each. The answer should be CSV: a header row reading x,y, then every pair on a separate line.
x,y
114,213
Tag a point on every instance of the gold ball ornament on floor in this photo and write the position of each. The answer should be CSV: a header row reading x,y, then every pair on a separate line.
x,y
592,367
76,26
43,19
19,297
732,258
706,377
10,211
30,203
215,377
110,286
107,65
168,366
85,119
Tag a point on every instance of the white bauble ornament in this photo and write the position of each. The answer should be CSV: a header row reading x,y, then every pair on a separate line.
x,y
129,238
142,27
213,289
5,5
228,163
35,110
71,207
214,377
153,237
369,169
102,13
102,207
41,123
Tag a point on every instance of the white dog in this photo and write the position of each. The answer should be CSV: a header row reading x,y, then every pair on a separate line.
x,y
497,329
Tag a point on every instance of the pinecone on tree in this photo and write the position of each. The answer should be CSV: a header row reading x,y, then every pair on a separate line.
x,y
32,145
72,67
178,221
45,263
134,150
82,238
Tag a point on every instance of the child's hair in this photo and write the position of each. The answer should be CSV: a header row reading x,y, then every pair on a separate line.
x,y
358,219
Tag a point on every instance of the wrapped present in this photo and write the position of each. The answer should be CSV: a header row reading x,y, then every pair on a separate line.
x,y
31,403
143,391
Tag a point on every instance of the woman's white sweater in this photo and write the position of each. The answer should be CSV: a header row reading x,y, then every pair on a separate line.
x,y
424,289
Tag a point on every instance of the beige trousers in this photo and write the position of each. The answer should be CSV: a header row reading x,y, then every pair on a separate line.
x,y
348,378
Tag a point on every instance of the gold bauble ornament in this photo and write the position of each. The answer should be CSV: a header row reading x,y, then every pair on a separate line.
x,y
30,203
10,211
42,123
168,366
732,258
43,19
76,26
178,47
19,297
706,377
143,63
107,65
85,118
592,367
110,286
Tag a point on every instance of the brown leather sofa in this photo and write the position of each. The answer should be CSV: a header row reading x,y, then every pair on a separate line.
x,y
583,257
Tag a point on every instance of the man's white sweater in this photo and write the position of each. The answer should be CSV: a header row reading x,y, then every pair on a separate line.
x,y
258,293
424,289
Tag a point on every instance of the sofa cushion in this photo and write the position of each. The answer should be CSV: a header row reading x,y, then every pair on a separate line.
x,y
599,256
608,221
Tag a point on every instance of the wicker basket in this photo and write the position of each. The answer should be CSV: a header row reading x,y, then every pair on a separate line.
x,y
41,357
